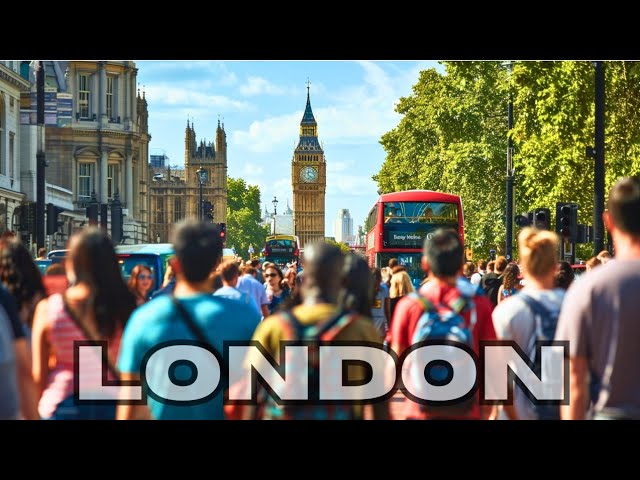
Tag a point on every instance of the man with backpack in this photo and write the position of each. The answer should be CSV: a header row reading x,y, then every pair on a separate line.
x,y
445,307
492,281
318,318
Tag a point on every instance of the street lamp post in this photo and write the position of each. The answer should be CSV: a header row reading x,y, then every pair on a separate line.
x,y
509,212
202,177
40,156
599,171
275,212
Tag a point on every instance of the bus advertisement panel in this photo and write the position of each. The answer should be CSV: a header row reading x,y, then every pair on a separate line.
x,y
399,222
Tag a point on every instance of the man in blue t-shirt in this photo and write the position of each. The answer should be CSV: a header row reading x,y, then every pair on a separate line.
x,y
198,251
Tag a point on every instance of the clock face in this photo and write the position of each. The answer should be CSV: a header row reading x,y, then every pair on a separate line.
x,y
309,174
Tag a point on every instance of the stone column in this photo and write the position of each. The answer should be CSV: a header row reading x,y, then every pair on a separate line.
x,y
104,161
102,94
134,99
128,179
126,90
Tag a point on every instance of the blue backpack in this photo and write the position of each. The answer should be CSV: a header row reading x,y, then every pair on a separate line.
x,y
444,322
546,322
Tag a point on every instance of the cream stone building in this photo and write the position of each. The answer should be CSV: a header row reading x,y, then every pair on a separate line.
x,y
103,148
175,193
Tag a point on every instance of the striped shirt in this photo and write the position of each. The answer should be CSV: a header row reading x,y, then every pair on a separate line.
x,y
62,333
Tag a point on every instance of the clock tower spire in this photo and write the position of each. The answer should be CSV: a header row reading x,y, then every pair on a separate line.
x,y
308,179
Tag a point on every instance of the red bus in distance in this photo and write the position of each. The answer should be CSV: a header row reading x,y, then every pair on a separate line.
x,y
399,222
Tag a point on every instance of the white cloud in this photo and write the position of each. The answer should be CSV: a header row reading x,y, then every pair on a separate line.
x,y
219,70
337,166
350,185
264,135
251,169
164,94
356,115
260,86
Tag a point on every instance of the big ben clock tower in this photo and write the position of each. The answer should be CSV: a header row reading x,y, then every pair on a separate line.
x,y
309,181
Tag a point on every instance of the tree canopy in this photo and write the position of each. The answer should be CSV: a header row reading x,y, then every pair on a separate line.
x,y
243,217
452,137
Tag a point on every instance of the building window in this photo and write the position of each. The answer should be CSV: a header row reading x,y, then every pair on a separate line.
x,y
12,136
110,82
85,181
84,94
160,210
177,210
113,180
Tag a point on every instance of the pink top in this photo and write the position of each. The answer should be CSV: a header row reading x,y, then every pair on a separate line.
x,y
63,333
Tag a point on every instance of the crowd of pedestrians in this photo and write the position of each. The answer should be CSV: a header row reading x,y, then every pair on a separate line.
x,y
337,298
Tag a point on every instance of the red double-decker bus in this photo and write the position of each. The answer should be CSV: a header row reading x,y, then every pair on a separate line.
x,y
399,222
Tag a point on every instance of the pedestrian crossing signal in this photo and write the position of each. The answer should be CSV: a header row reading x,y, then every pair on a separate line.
x,y
222,228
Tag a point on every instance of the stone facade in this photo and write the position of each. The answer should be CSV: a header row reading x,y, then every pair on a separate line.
x,y
175,193
104,149
309,181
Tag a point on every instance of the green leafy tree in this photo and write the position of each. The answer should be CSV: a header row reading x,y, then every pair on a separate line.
x,y
452,137
243,217
555,105
343,246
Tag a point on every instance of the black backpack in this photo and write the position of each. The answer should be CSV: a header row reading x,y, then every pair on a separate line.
x,y
491,285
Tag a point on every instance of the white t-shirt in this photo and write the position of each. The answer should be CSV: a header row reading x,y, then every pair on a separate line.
x,y
514,320
476,278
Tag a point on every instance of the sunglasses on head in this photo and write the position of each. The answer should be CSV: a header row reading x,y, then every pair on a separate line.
x,y
144,276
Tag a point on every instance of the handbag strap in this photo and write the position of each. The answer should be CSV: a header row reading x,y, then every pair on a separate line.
x,y
85,331
188,320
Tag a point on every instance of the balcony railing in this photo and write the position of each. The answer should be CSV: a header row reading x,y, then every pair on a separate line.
x,y
84,203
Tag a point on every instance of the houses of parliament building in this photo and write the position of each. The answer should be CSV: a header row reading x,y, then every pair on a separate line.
x,y
174,195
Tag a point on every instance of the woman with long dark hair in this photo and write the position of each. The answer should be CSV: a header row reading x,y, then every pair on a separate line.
x,y
276,293
357,288
95,307
510,283
19,274
141,283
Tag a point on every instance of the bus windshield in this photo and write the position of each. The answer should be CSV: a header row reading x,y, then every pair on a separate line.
x,y
407,224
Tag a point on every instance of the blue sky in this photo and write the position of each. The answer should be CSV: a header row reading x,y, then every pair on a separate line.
x,y
261,103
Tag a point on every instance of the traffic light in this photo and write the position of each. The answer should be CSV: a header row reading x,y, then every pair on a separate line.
x,y
28,218
541,218
222,229
52,218
207,209
522,220
567,220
